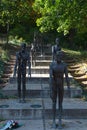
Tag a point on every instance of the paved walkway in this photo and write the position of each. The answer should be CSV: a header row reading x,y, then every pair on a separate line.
x,y
67,125
76,124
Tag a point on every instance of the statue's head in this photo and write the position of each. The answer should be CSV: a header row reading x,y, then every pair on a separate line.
x,y
23,46
57,41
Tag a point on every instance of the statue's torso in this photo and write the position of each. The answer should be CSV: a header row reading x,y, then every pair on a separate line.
x,y
22,60
56,49
58,72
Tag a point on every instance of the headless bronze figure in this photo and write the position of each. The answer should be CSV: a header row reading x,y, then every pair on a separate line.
x,y
55,48
22,58
33,54
57,71
33,51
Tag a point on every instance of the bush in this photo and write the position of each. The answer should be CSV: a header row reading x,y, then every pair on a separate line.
x,y
15,40
5,55
1,67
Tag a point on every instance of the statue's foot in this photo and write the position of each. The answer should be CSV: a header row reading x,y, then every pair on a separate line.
x,y
23,101
60,126
19,100
69,93
30,76
60,109
54,125
60,123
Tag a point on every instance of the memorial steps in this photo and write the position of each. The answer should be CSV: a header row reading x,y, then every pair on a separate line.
x,y
38,100
33,109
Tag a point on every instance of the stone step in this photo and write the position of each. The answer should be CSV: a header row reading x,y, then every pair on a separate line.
x,y
37,63
43,57
38,57
35,90
39,78
48,53
40,70
42,63
67,124
34,69
33,109
36,78
47,62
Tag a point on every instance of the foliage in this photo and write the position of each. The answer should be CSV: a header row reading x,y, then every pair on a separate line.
x,y
66,17
5,55
14,11
17,16
1,67
61,15
81,55
22,31
15,40
4,58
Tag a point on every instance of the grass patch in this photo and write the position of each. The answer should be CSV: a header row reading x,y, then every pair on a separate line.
x,y
80,56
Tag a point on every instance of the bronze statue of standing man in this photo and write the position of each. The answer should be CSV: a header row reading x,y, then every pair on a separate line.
x,y
22,60
57,71
55,48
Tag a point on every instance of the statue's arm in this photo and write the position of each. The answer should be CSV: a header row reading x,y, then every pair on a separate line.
x,y
52,49
51,71
15,66
66,76
29,65
52,52
51,80
67,80
59,48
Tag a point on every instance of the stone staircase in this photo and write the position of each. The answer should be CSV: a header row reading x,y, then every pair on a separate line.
x,y
38,102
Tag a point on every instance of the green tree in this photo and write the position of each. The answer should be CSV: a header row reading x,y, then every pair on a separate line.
x,y
17,12
67,16
61,14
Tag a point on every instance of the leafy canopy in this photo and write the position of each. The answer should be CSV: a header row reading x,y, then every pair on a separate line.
x,y
61,15
12,11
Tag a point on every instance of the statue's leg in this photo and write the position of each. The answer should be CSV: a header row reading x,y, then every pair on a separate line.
x,y
23,87
60,96
19,86
54,115
54,109
34,58
30,70
69,92
31,59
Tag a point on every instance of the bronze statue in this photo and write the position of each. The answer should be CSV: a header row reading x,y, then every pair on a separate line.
x,y
33,50
55,48
57,71
22,59
33,54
